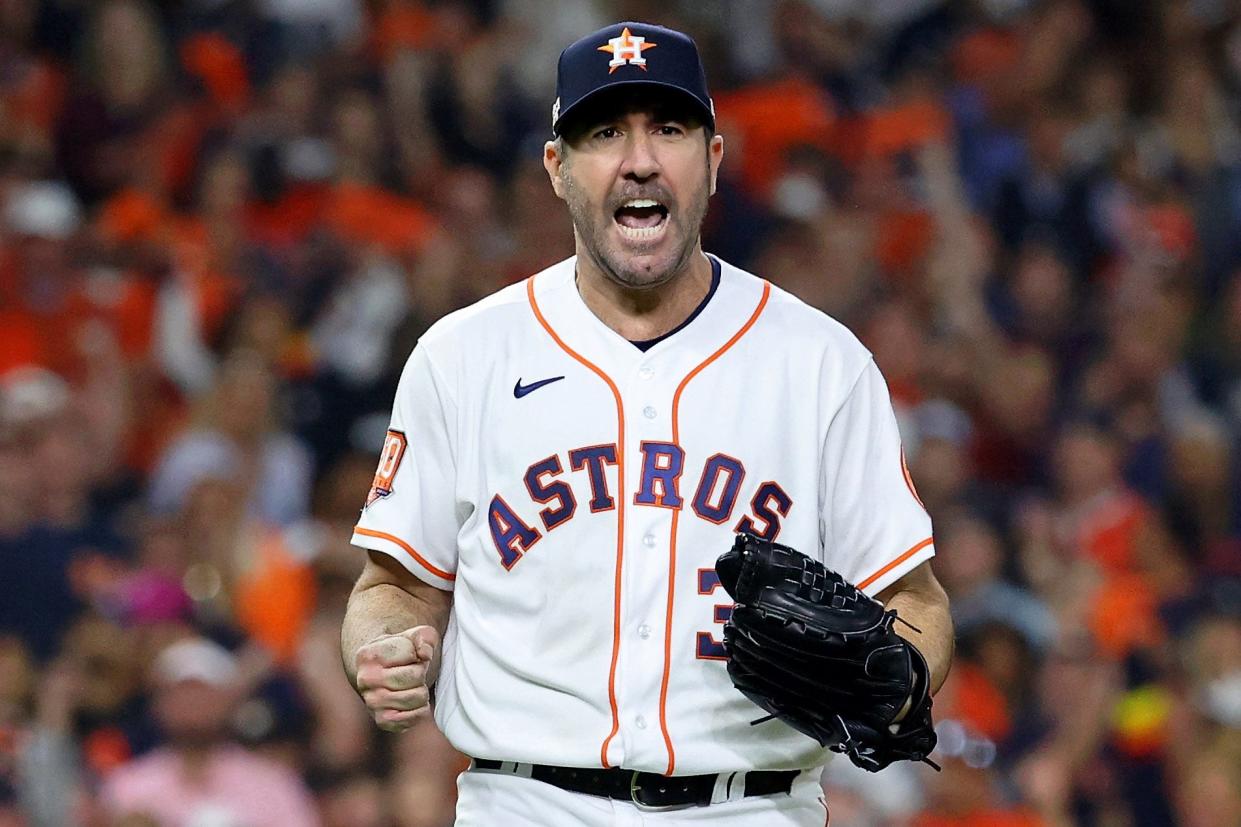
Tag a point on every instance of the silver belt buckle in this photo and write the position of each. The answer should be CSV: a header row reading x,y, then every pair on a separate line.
x,y
652,808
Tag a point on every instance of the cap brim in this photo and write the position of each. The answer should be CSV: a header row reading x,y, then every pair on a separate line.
x,y
703,107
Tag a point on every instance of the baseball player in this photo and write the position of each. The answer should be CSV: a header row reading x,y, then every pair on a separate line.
x,y
568,458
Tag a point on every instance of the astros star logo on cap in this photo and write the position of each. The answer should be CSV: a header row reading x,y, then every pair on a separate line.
x,y
676,68
627,48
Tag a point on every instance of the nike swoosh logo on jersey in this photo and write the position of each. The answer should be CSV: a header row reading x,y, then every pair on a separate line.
x,y
520,390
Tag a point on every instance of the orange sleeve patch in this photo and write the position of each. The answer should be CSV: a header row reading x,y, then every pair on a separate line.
x,y
389,461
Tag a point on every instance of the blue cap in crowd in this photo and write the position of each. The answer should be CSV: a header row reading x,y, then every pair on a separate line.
x,y
627,55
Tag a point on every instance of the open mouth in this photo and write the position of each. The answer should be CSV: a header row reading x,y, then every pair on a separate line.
x,y
641,219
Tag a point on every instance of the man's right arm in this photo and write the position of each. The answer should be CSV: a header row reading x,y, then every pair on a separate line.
x,y
390,640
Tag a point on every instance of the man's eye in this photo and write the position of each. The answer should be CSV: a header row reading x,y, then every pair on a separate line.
x,y
606,132
670,129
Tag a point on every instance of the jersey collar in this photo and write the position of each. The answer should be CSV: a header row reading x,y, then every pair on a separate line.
x,y
727,307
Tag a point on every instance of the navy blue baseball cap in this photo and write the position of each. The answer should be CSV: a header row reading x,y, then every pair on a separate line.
x,y
626,55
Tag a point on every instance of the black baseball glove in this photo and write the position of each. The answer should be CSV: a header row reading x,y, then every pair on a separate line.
x,y
814,651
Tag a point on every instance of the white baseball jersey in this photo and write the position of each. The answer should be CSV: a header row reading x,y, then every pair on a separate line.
x,y
574,492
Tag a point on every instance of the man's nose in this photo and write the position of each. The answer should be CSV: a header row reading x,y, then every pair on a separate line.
x,y
640,161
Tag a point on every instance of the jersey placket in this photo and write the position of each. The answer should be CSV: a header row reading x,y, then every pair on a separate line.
x,y
648,389
649,602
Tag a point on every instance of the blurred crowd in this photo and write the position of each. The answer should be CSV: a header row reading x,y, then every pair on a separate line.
x,y
224,224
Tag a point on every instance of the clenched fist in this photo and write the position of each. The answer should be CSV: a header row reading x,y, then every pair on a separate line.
x,y
392,676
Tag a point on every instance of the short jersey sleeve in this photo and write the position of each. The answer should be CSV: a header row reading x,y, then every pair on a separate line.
x,y
875,527
410,513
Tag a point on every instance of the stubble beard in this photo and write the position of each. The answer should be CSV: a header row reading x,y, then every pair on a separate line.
x,y
592,226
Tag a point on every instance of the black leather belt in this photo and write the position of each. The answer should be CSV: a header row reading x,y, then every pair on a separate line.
x,y
648,790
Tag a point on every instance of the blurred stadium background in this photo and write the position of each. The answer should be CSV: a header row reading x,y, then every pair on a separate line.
x,y
223,225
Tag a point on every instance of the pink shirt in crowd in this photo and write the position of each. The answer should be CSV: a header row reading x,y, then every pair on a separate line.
x,y
237,789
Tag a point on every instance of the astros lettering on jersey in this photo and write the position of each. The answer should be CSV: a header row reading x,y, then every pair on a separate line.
x,y
574,493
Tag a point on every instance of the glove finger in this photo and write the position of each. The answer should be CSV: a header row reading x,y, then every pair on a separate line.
x,y
790,644
878,667
775,691
774,683
814,633
852,617
821,671
752,564
812,628
786,683
790,688
807,720
753,648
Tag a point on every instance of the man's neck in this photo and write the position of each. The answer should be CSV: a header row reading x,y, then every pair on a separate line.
x,y
642,315
196,760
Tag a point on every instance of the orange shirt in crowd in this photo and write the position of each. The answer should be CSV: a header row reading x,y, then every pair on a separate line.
x,y
33,99
122,303
902,242
401,26
766,120
903,128
136,217
276,597
370,215
971,697
221,67
984,818
1107,534
985,54
1124,615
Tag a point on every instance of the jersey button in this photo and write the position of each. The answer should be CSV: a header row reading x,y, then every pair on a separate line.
x,y
649,412
645,372
644,631
640,722
648,540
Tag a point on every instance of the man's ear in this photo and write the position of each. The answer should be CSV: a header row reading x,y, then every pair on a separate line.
x,y
552,162
715,155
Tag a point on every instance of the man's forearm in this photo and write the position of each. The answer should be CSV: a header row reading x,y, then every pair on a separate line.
x,y
925,607
382,609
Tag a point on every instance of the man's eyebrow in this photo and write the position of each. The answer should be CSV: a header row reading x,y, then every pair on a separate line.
x,y
661,112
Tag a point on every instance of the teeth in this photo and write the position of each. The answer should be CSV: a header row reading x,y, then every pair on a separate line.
x,y
642,233
641,202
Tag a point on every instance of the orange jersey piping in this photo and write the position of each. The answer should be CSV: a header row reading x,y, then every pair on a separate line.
x,y
422,561
672,545
908,553
909,480
620,514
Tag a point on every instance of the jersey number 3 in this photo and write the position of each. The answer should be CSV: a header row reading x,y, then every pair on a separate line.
x,y
708,648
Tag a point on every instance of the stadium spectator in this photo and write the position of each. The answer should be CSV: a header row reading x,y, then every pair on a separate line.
x,y
201,774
